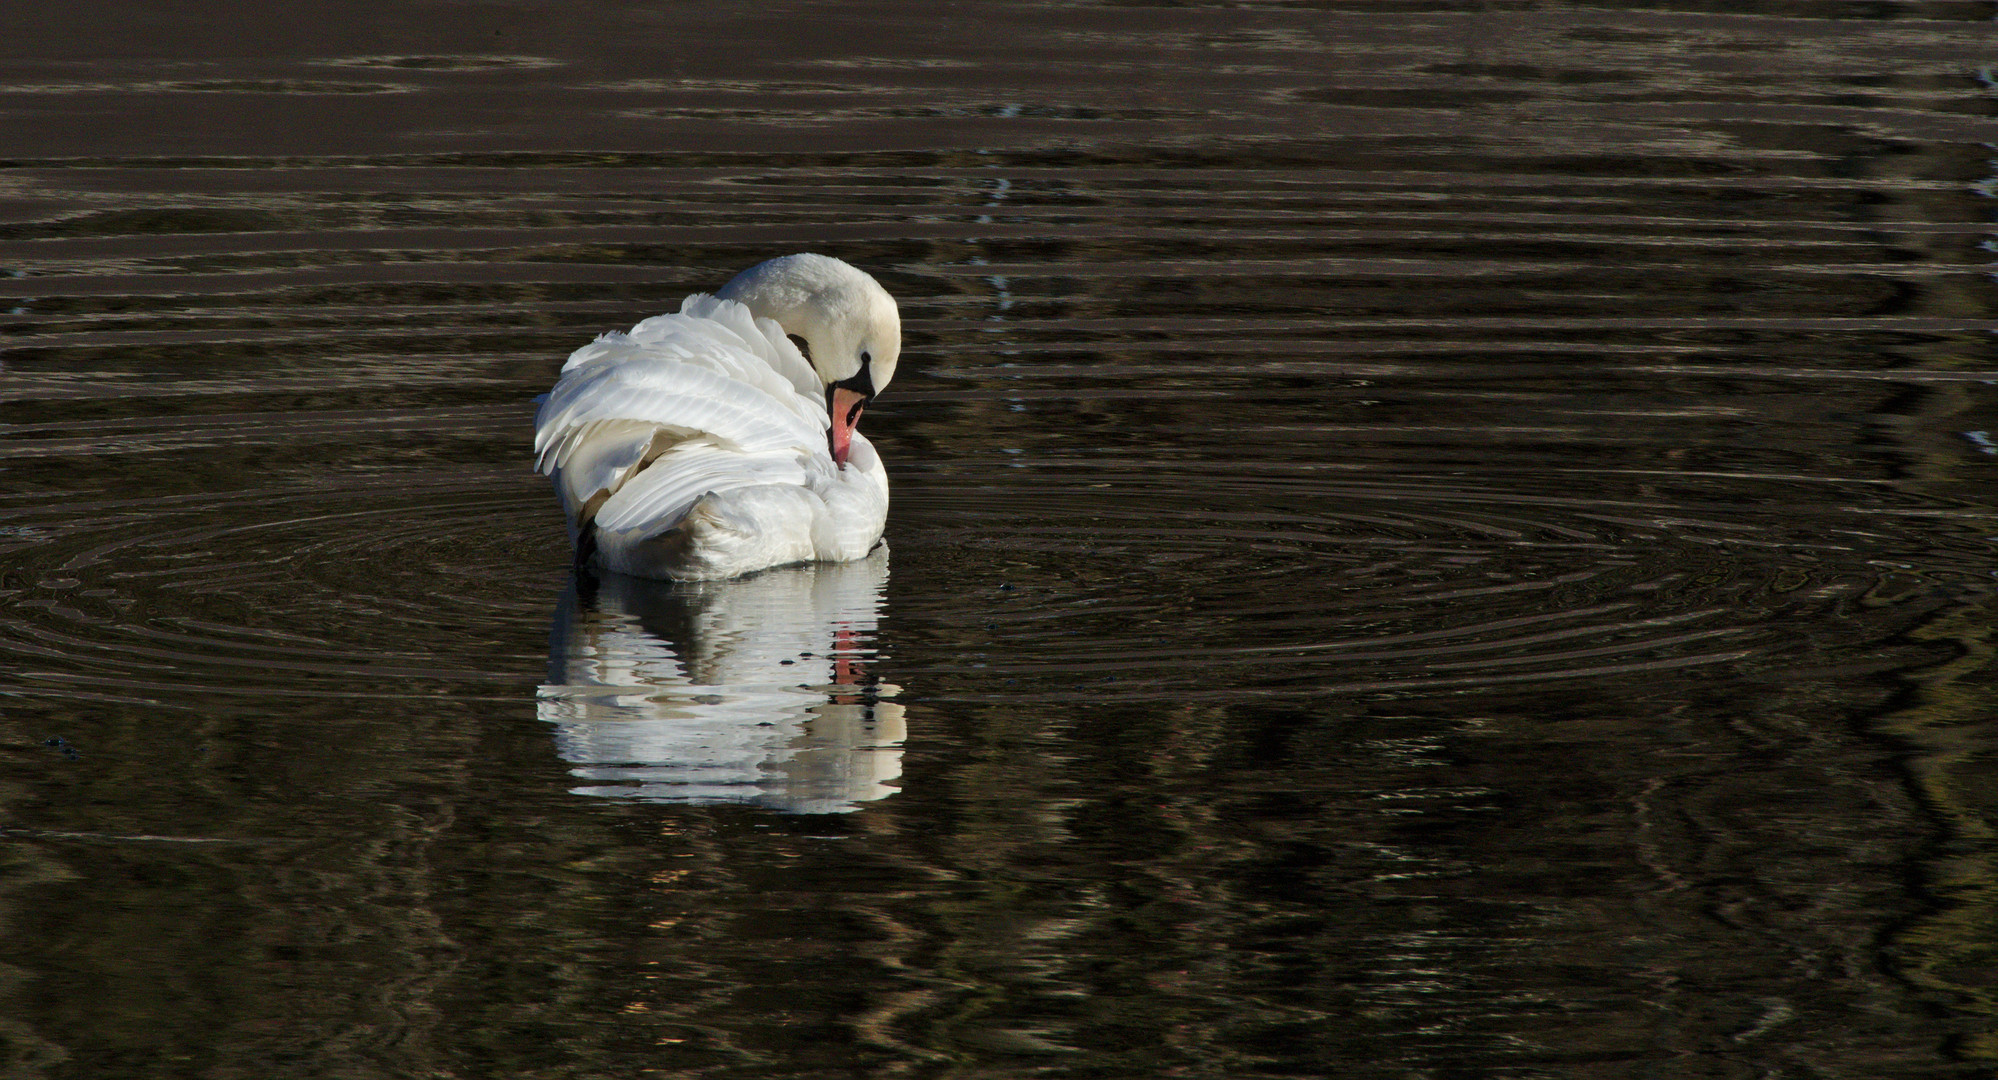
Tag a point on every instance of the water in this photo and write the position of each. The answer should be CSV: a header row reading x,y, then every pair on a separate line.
x,y
1439,540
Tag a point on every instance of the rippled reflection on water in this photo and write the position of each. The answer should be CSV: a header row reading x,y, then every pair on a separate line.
x,y
754,691
1428,540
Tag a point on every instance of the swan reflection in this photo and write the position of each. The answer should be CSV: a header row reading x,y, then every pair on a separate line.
x,y
756,690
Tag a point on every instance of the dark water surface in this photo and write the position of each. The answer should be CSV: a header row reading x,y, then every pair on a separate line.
x,y
1430,540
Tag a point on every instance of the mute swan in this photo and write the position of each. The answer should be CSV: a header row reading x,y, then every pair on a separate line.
x,y
720,440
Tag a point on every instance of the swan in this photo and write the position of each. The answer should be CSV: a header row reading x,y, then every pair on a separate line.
x,y
721,440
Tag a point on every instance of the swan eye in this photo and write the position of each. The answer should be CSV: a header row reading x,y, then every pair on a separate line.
x,y
864,358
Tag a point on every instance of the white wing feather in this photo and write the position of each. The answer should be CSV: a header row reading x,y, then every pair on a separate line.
x,y
741,335
630,381
669,487
643,426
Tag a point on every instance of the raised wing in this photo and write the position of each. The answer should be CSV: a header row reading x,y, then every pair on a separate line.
x,y
709,399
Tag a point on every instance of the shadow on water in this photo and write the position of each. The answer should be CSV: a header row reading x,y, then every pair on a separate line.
x,y
760,690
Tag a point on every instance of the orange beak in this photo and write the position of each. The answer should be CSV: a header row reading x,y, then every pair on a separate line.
x,y
845,406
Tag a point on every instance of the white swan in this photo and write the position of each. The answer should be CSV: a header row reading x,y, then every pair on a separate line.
x,y
720,441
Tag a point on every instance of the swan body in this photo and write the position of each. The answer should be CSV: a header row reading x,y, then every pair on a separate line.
x,y
721,440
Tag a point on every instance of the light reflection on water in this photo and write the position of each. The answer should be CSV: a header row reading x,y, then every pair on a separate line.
x,y
757,691
1430,539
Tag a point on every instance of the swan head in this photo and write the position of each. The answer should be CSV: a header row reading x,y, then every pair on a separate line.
x,y
844,322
